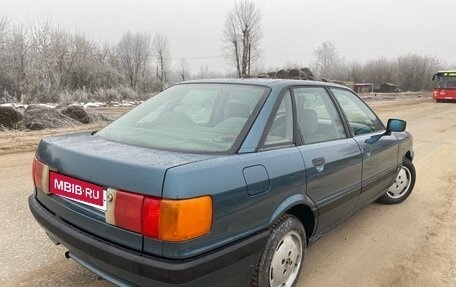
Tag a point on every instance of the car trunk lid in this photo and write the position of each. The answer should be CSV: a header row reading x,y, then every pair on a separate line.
x,y
111,164
79,158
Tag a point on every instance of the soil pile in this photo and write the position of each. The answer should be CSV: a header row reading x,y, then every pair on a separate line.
x,y
79,114
39,118
9,118
297,74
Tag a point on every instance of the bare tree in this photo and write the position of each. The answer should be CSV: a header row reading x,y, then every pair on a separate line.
x,y
161,53
134,52
183,69
379,71
4,29
414,72
355,72
242,35
327,64
44,60
21,60
5,79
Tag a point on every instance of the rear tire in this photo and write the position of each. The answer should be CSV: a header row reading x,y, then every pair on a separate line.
x,y
402,186
281,259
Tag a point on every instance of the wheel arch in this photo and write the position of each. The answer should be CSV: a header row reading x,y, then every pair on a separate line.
x,y
408,155
301,207
307,217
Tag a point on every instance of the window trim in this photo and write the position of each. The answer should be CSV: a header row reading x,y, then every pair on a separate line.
x,y
262,146
330,88
335,104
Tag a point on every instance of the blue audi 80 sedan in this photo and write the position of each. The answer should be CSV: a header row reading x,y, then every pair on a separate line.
x,y
218,182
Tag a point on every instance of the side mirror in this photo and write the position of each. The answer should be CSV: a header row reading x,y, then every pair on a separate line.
x,y
395,125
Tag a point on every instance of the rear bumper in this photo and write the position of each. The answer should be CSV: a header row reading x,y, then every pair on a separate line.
x,y
230,266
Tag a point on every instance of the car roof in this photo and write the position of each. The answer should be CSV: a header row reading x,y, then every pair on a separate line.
x,y
264,82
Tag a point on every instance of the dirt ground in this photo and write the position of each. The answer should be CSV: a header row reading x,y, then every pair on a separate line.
x,y
410,244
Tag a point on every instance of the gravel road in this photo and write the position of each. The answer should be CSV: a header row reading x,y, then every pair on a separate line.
x,y
411,244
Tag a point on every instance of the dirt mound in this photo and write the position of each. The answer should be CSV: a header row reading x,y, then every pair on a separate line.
x,y
297,74
9,117
96,118
78,113
39,118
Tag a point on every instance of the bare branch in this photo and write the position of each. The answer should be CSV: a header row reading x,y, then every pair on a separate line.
x,y
241,36
161,54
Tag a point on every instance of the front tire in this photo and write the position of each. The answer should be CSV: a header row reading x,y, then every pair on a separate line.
x,y
402,186
281,260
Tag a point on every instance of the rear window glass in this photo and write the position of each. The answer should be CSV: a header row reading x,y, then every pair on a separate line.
x,y
189,117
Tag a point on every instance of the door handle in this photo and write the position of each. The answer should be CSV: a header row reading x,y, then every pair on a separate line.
x,y
367,151
319,163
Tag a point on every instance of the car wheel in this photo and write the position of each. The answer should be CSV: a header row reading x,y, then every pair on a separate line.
x,y
281,260
402,186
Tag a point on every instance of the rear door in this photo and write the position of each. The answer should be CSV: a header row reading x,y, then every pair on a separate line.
x,y
379,152
332,160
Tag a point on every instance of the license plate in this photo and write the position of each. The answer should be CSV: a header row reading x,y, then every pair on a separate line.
x,y
77,190
448,98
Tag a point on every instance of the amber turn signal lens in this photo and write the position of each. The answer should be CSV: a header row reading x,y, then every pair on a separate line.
x,y
37,171
40,173
185,219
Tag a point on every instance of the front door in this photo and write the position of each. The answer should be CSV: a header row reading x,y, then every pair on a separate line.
x,y
379,151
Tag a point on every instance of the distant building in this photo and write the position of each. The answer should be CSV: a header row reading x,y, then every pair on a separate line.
x,y
349,85
388,88
363,87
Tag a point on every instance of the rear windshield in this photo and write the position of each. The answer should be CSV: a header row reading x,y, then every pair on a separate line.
x,y
190,117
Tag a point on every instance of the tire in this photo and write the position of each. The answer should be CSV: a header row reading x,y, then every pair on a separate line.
x,y
402,186
281,259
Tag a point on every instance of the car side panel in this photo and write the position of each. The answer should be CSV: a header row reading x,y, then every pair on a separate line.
x,y
236,213
405,141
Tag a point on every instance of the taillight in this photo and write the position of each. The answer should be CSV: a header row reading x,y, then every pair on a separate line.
x,y
40,173
185,219
151,217
127,211
164,219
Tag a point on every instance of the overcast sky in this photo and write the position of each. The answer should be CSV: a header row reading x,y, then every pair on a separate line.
x,y
293,29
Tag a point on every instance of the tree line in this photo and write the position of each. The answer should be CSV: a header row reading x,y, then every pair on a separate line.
x,y
41,62
410,72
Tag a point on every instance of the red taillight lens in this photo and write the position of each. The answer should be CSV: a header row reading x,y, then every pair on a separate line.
x,y
151,217
127,212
